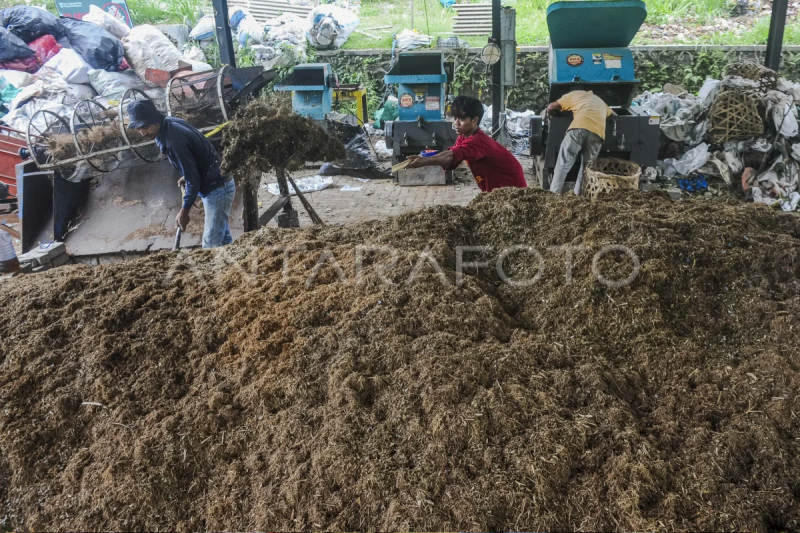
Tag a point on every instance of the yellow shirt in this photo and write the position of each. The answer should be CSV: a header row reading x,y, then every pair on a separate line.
x,y
589,111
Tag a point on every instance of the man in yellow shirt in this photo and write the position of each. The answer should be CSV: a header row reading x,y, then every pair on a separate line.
x,y
585,135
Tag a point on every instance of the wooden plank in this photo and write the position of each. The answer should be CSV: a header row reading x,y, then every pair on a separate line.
x,y
270,213
310,210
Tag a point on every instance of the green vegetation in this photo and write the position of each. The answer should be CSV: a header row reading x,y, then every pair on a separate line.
x,y
532,25
167,11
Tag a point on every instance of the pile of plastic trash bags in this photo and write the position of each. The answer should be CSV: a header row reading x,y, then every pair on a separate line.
x,y
49,62
766,167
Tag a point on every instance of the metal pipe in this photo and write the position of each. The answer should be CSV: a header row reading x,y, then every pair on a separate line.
x,y
223,27
497,90
775,40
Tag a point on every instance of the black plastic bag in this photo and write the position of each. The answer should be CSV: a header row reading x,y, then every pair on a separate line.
x,y
12,47
29,23
95,45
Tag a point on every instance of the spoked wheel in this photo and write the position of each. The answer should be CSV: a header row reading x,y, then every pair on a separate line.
x,y
49,141
94,130
225,92
141,147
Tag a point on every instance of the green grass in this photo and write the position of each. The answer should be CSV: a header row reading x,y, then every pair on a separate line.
x,y
532,23
167,11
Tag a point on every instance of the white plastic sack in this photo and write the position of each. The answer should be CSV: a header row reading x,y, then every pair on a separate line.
x,y
708,92
692,160
790,204
107,22
70,65
412,39
247,28
787,87
310,184
16,78
140,57
784,113
381,150
204,29
160,45
331,26
285,42
190,51
47,85
114,83
19,118
77,92
796,152
198,66
733,159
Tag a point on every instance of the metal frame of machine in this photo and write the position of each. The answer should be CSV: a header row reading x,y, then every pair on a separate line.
x,y
311,85
593,55
422,124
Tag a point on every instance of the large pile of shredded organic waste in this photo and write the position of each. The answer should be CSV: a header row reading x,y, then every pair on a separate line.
x,y
211,390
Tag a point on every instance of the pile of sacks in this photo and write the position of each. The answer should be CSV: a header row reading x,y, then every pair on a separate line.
x,y
52,63
283,41
694,153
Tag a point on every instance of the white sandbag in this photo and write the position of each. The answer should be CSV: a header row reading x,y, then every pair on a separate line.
x,y
107,22
16,78
204,29
111,83
161,46
70,65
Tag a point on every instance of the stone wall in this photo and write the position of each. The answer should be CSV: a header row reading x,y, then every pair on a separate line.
x,y
687,66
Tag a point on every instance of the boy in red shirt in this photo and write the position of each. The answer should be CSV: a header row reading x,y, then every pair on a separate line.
x,y
491,164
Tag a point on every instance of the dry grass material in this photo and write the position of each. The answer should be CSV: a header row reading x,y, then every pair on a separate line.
x,y
61,146
266,135
231,402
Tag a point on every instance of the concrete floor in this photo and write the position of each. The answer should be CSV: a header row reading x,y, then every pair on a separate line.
x,y
379,199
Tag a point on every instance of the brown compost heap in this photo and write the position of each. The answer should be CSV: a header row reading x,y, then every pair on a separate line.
x,y
206,390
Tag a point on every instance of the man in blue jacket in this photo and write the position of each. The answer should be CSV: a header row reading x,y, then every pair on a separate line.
x,y
195,158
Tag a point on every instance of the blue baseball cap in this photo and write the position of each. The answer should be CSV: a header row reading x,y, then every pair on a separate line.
x,y
143,113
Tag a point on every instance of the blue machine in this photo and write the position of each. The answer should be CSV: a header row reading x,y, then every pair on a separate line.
x,y
422,124
589,51
312,86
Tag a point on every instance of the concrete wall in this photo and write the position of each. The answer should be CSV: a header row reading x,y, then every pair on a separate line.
x,y
687,66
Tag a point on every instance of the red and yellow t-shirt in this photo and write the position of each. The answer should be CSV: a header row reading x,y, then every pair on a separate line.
x,y
491,164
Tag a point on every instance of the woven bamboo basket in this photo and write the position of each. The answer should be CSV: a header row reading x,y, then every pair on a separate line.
x,y
736,115
607,174
766,77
